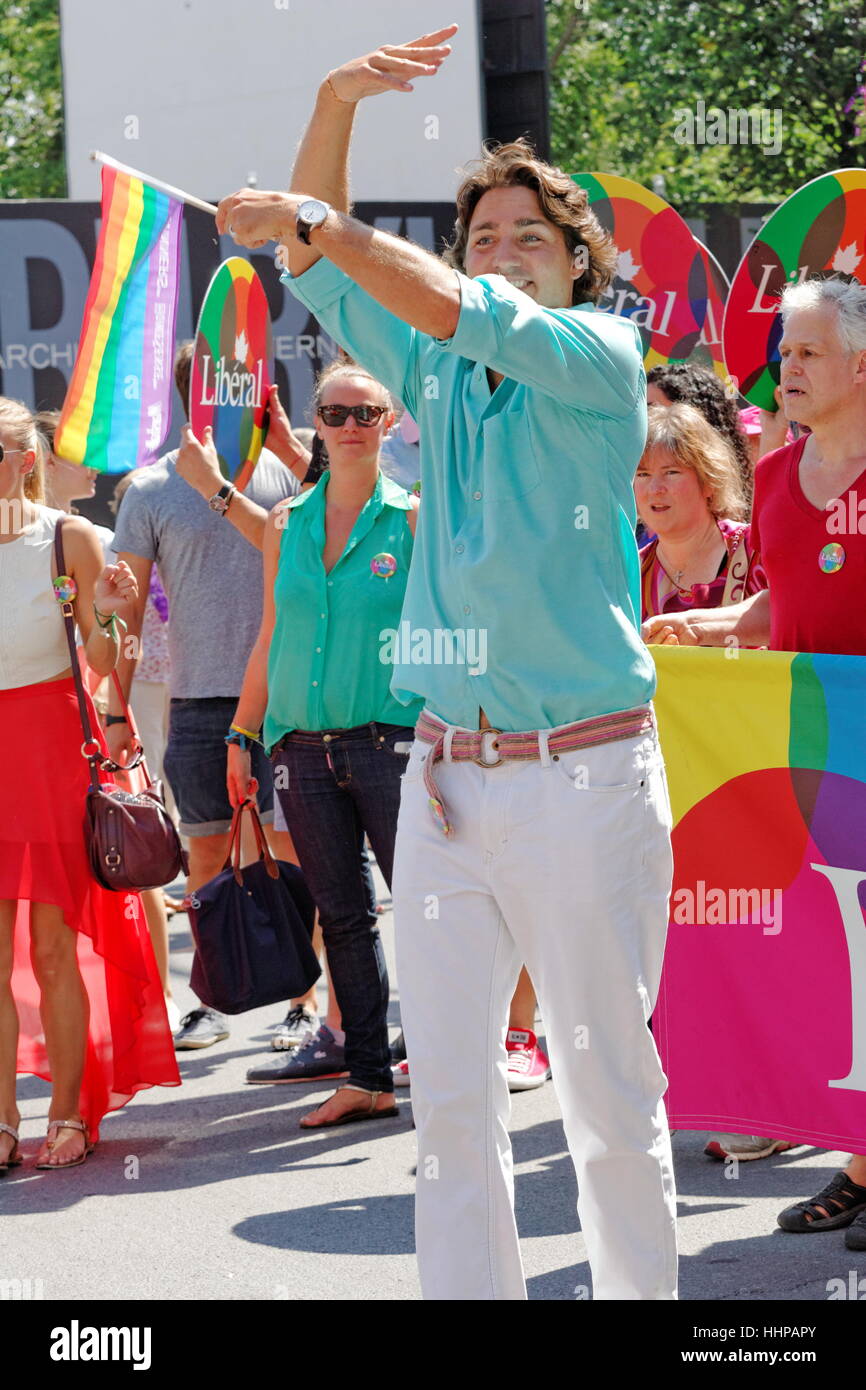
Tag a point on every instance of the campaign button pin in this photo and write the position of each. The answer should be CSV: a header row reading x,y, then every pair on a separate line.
x,y
65,588
384,565
831,558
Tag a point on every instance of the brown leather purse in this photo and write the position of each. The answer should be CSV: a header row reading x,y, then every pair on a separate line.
x,y
131,840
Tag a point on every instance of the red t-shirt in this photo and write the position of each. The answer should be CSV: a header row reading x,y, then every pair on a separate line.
x,y
816,603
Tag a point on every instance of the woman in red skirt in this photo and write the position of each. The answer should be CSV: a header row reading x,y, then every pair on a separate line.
x,y
80,999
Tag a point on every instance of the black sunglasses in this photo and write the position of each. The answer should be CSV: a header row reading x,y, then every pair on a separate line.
x,y
363,414
4,451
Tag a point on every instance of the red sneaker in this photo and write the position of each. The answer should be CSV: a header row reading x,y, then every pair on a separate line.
x,y
528,1066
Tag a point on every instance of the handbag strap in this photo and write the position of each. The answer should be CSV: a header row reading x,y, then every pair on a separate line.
x,y
233,857
94,758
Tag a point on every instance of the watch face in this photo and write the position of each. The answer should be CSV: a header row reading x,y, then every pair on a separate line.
x,y
313,212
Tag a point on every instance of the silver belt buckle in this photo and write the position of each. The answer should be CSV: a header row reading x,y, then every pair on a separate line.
x,y
482,761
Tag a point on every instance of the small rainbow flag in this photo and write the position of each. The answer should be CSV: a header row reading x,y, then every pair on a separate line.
x,y
117,411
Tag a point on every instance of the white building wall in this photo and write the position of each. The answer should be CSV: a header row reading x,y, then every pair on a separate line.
x,y
205,93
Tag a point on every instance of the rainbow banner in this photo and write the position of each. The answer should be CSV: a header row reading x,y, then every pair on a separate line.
x,y
117,411
761,1018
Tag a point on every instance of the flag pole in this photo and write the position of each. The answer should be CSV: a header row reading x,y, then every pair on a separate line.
x,y
168,188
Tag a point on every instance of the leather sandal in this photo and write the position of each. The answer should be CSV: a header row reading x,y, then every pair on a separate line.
x,y
57,1125
842,1198
351,1116
14,1157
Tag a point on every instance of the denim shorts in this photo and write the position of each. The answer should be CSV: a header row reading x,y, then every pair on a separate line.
x,y
195,764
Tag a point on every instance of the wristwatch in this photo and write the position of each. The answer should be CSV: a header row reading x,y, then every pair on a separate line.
x,y
115,719
219,503
311,214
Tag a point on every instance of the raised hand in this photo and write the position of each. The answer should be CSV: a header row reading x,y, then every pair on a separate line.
x,y
281,439
392,67
115,588
774,425
255,216
198,462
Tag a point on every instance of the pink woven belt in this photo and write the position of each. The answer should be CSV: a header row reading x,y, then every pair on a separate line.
x,y
473,746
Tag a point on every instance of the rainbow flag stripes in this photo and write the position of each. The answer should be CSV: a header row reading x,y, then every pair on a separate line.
x,y
117,411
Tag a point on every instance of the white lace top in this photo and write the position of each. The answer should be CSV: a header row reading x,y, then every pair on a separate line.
x,y
32,636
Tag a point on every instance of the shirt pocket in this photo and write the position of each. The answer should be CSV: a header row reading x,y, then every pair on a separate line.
x,y
510,467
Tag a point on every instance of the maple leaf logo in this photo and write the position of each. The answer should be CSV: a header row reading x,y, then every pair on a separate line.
x,y
626,268
847,259
242,347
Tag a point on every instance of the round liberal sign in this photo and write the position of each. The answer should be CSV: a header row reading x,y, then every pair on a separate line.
x,y
232,368
660,282
818,232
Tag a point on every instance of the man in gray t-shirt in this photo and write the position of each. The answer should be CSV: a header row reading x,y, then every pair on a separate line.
x,y
211,574
205,539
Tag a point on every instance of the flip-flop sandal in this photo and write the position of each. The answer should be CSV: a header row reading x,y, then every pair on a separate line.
x,y
51,1143
847,1197
13,1159
352,1116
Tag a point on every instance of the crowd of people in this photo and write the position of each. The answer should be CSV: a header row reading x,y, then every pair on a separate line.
x,y
518,805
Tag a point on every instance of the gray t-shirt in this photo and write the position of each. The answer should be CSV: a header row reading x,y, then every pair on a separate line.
x,y
212,576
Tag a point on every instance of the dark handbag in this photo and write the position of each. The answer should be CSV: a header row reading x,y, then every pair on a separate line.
x,y
252,929
131,840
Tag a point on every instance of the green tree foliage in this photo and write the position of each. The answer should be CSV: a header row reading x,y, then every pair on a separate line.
x,y
620,73
32,163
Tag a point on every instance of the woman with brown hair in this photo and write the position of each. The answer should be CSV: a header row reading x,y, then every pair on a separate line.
x,y
80,998
684,383
689,496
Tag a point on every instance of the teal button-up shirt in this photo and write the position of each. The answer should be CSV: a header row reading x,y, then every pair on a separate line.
x,y
525,566
330,660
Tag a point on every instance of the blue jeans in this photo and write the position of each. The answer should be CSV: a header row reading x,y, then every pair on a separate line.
x,y
334,787
195,764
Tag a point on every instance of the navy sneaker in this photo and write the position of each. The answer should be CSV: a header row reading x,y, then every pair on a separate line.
x,y
200,1028
321,1056
296,1027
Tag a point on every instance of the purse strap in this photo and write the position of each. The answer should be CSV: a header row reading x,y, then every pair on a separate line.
x,y
233,857
94,756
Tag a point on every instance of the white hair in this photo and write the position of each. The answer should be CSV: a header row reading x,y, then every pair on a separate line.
x,y
848,299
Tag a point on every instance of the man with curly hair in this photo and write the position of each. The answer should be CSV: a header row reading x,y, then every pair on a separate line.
x,y
534,823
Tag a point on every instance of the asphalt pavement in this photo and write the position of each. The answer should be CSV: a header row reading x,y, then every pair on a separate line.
x,y
211,1191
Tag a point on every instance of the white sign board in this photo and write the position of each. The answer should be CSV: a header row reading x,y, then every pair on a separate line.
x,y
212,94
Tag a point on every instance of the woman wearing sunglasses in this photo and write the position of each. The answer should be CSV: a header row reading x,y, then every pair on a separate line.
x,y
336,561
80,998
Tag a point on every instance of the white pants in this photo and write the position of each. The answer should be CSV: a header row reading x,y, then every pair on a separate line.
x,y
563,865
